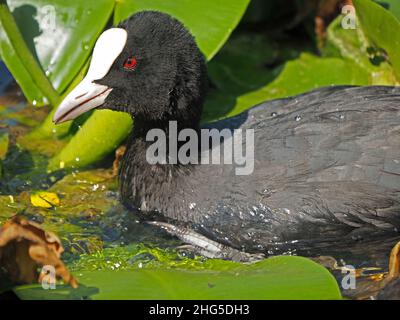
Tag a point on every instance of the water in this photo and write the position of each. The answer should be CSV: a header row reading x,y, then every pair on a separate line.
x,y
90,216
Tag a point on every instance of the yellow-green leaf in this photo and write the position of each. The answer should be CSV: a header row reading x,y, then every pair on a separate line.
x,y
44,199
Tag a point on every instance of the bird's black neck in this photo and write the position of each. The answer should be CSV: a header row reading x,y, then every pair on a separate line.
x,y
140,180
151,186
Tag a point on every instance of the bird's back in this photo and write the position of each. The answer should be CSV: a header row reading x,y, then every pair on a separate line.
x,y
326,167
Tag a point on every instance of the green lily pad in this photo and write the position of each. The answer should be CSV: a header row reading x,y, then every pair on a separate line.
x,y
282,277
298,76
392,5
61,293
234,71
382,28
58,34
100,135
351,44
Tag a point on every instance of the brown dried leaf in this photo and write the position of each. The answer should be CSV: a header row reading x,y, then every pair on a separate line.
x,y
394,262
25,246
391,289
119,153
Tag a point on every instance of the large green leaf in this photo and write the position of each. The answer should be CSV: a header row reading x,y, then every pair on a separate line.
x,y
281,277
211,22
101,133
235,72
298,76
392,5
382,28
352,45
61,49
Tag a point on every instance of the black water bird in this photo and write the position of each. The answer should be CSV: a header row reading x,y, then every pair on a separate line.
x,y
326,163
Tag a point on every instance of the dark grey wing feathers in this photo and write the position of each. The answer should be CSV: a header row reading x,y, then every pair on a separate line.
x,y
330,157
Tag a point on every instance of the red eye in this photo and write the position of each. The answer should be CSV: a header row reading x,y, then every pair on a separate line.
x,y
130,63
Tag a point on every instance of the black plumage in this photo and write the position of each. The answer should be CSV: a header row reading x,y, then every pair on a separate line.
x,y
331,176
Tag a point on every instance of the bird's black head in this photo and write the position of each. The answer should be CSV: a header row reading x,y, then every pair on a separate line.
x,y
149,66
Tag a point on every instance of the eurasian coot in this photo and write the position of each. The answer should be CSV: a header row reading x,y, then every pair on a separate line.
x,y
326,165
